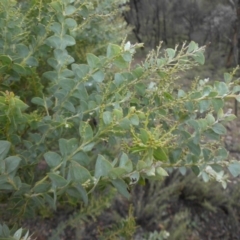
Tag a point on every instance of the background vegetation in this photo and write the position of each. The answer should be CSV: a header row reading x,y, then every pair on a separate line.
x,y
80,121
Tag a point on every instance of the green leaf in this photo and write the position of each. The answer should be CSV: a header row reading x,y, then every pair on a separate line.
x,y
82,158
125,163
98,76
171,53
120,62
85,131
199,57
69,106
53,159
32,62
122,187
41,187
113,50
236,89
192,47
79,173
93,61
12,164
161,172
57,181
102,167
144,136
217,103
194,148
17,235
38,101
4,148
107,118
221,88
117,173
134,120
18,68
227,77
70,22
117,114
69,10
181,93
83,193
68,146
175,155
60,42
125,124
5,59
204,105
160,154
141,165
219,129
234,168
195,170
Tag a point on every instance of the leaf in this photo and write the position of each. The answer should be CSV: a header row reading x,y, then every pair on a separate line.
x,y
160,154
122,187
141,165
102,167
125,163
98,76
85,131
69,10
194,148
192,47
134,120
5,59
171,53
60,42
79,173
195,170
219,129
93,61
234,168
217,103
117,173
68,146
32,62
144,136
227,77
18,68
57,180
181,93
125,124
221,88
120,62
175,155
38,101
107,118
204,105
53,159
4,148
12,164
199,57
41,187
161,172
113,50
81,158
69,106
70,22
17,235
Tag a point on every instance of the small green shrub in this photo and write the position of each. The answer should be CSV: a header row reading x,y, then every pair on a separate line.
x,y
73,121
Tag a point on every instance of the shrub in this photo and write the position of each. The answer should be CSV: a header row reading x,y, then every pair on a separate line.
x,y
68,127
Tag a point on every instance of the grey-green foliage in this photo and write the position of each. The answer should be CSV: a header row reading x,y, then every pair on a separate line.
x,y
103,122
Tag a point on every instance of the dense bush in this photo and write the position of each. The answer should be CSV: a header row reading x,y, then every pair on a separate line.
x,y
69,127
